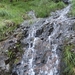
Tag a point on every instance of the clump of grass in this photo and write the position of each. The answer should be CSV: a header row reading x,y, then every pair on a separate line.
x,y
6,31
69,60
72,11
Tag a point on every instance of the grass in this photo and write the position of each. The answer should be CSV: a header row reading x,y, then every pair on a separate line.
x,y
13,14
72,12
68,54
69,60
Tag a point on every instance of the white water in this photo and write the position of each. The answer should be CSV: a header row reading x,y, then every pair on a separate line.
x,y
51,67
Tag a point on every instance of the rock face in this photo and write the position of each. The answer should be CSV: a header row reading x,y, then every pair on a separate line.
x,y
41,44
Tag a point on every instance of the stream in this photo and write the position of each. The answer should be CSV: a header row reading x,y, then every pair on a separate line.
x,y
42,43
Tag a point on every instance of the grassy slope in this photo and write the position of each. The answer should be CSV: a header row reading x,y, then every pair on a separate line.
x,y
12,14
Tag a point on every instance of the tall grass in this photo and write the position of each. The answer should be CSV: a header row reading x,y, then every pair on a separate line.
x,y
69,60
72,12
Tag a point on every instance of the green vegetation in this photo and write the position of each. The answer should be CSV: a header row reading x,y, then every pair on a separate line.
x,y
15,53
72,12
14,13
69,59
14,56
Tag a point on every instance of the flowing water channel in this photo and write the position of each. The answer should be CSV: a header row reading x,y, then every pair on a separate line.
x,y
41,45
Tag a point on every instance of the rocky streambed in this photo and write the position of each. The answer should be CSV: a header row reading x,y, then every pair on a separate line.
x,y
35,48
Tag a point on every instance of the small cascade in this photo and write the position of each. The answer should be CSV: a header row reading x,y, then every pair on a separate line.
x,y
41,45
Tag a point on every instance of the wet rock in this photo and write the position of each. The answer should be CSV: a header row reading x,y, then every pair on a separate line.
x,y
45,57
11,41
3,65
39,32
18,63
50,30
66,1
31,14
37,71
38,62
14,73
7,61
26,33
7,68
26,45
38,43
44,32
25,65
59,35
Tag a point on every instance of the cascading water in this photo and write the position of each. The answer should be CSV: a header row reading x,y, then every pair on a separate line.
x,y
41,45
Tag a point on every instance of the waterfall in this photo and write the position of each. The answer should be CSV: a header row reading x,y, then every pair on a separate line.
x,y
41,45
